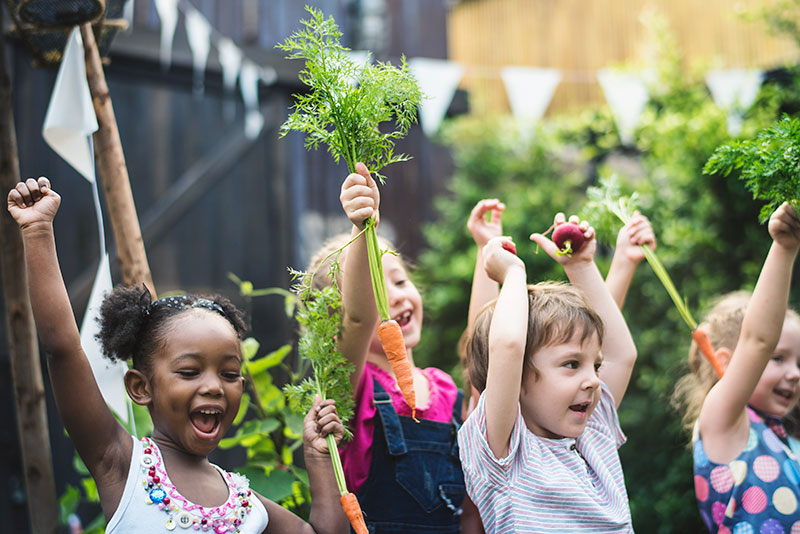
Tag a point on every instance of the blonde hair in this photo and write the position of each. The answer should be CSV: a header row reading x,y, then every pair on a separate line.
x,y
722,324
556,312
326,255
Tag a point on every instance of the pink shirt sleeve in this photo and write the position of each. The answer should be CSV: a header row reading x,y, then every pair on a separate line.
x,y
357,454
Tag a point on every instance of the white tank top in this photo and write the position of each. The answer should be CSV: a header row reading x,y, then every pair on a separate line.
x,y
151,504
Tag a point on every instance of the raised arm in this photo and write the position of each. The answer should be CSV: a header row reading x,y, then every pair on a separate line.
x,y
94,431
619,351
628,255
484,289
723,419
360,200
507,335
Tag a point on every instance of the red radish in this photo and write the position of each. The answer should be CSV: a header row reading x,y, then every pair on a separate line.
x,y
510,247
569,238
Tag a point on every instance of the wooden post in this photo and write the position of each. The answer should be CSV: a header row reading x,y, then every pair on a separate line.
x,y
113,172
23,347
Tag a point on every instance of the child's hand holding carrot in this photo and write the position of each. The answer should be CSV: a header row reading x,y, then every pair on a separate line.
x,y
637,232
321,420
784,227
360,196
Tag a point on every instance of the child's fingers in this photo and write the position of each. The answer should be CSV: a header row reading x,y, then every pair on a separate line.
x,y
560,218
363,171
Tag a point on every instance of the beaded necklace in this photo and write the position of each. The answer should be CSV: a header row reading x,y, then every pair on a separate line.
x,y
179,512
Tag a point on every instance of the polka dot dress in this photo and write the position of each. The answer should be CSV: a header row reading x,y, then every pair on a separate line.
x,y
758,493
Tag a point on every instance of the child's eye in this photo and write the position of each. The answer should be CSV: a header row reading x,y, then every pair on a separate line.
x,y
400,283
597,367
572,364
232,375
187,373
777,358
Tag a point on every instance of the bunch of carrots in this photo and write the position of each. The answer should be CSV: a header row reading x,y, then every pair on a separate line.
x,y
347,108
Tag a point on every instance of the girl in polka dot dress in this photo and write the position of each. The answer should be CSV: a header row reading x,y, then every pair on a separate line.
x,y
747,481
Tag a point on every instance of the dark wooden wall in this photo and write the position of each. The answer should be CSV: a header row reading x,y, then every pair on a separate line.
x,y
263,205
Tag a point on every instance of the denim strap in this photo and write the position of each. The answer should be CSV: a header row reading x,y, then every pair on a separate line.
x,y
392,431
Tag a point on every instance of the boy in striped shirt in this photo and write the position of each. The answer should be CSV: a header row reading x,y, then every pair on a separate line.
x,y
552,362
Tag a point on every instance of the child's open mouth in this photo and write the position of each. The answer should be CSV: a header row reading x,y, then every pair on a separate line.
x,y
581,408
206,420
403,319
786,394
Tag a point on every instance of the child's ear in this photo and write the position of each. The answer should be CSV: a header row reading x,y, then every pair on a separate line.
x,y
138,386
724,354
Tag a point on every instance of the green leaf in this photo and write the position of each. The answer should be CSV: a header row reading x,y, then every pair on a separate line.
x,y
250,432
270,360
275,486
243,405
68,503
250,348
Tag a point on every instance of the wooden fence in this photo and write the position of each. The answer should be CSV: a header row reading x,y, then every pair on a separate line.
x,y
578,37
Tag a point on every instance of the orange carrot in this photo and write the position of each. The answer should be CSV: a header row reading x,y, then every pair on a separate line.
x,y
394,347
353,512
705,347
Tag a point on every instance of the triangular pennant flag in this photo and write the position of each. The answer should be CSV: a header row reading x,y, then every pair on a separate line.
x,y
230,58
110,376
198,30
248,83
626,94
529,92
438,80
70,116
168,14
734,91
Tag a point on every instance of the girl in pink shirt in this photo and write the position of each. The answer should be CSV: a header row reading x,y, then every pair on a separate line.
x,y
406,474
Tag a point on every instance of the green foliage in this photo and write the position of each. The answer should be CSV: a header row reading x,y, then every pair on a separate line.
x,y
769,164
346,103
709,241
320,318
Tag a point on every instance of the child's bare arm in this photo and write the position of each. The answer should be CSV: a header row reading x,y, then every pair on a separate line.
x,y
484,289
360,200
619,351
94,431
723,417
507,335
628,255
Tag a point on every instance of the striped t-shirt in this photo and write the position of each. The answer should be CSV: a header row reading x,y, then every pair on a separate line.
x,y
545,485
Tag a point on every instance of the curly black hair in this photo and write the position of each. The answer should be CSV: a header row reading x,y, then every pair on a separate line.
x,y
132,325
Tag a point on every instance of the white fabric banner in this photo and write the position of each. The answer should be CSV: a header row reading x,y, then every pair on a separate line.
x,y
734,91
248,83
438,80
168,14
198,31
626,94
68,127
529,92
110,376
230,58
70,115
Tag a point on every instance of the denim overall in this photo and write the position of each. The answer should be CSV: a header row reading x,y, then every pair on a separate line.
x,y
415,481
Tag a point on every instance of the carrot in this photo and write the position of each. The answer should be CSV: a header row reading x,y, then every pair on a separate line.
x,y
705,347
353,512
394,346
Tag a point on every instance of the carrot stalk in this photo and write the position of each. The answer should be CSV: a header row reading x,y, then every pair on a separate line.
x,y
622,210
705,347
391,337
389,333
353,512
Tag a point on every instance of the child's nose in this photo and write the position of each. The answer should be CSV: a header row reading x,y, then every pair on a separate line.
x,y
591,380
212,385
793,373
